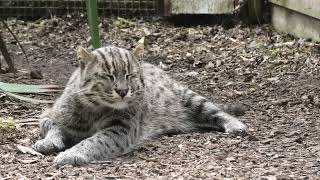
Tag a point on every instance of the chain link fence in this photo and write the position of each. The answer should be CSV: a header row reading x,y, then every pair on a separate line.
x,y
47,8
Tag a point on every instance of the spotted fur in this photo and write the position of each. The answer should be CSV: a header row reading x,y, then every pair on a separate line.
x,y
113,102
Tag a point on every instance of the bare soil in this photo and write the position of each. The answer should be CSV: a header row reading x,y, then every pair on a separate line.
x,y
274,75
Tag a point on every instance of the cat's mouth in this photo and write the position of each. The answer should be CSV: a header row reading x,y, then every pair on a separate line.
x,y
120,102
121,99
119,105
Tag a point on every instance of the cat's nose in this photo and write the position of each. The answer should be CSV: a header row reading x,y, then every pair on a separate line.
x,y
122,92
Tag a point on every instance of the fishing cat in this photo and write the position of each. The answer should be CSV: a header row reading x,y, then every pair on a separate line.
x,y
113,102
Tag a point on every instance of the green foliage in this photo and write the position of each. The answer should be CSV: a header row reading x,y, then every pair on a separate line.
x,y
123,23
275,52
7,123
12,90
23,88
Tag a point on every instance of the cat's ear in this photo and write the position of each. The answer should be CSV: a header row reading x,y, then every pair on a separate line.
x,y
139,50
84,56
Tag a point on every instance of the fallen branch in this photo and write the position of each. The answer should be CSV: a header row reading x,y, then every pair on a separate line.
x,y
101,162
16,39
6,56
28,150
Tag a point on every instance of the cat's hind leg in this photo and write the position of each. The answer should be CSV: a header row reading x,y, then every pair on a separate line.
x,y
53,137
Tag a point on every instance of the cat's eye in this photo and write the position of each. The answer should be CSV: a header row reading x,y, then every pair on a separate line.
x,y
131,75
128,76
111,77
105,76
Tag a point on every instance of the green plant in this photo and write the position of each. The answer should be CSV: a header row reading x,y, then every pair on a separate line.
x,y
7,123
15,90
93,22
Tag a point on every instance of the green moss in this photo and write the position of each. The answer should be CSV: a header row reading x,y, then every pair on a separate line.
x,y
7,123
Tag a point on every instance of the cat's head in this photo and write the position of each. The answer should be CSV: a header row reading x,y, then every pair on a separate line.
x,y
110,77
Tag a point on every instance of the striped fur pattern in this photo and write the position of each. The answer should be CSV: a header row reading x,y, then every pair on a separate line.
x,y
113,102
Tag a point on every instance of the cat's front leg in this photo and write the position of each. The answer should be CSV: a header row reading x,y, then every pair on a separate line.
x,y
105,144
53,137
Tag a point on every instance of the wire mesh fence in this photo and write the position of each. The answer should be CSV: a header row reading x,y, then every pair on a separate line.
x,y
45,8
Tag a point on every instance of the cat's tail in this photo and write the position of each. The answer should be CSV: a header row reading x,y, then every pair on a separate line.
x,y
209,115
234,109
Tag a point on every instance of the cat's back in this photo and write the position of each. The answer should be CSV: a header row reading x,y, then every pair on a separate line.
x,y
151,71
156,81
162,95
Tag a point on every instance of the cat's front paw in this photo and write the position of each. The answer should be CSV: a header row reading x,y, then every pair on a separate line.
x,y
70,158
47,146
236,128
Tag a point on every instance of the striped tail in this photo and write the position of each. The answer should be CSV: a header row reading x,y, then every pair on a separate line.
x,y
234,109
206,114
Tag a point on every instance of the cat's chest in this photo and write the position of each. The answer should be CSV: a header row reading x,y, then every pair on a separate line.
x,y
85,125
96,121
102,122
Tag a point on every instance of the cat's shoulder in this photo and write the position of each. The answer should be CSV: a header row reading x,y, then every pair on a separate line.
x,y
148,65
150,68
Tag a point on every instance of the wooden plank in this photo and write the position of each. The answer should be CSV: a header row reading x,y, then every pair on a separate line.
x,y
304,26
308,7
201,6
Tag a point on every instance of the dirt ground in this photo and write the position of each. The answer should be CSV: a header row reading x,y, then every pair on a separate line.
x,y
275,76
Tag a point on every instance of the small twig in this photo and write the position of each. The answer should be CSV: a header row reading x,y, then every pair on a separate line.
x,y
9,177
30,121
27,124
233,40
245,59
101,162
28,150
27,120
291,73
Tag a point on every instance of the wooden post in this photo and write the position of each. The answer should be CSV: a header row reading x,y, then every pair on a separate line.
x,y
254,9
